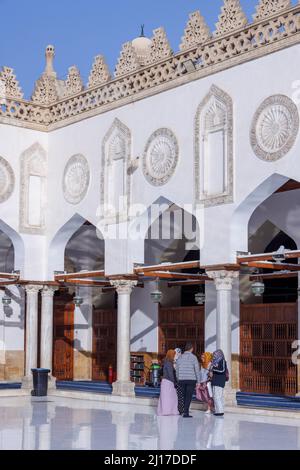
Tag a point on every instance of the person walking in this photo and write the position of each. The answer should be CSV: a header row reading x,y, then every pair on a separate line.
x,y
168,402
219,376
204,390
188,375
179,389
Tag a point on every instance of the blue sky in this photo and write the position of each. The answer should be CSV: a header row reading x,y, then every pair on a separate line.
x,y
81,29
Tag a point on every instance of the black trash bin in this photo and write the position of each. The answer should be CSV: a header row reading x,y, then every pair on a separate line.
x,y
40,382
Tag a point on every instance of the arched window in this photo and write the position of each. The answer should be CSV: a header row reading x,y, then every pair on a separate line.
x,y
214,149
115,184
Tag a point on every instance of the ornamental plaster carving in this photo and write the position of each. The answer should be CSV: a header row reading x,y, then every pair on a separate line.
x,y
73,82
128,60
76,179
100,73
33,165
45,91
9,85
160,47
196,32
241,45
7,180
223,279
32,289
231,18
124,287
115,174
214,114
160,157
267,8
274,128
48,291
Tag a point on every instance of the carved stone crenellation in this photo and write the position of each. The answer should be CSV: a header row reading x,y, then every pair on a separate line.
x,y
100,73
45,91
196,32
267,8
240,44
275,127
160,48
73,82
9,85
128,60
232,17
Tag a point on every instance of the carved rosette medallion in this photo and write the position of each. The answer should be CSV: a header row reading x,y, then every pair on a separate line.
x,y
76,179
160,157
274,128
7,180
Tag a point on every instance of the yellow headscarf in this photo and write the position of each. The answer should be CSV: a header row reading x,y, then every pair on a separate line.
x,y
206,359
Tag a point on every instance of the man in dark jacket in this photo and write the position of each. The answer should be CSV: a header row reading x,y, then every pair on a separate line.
x,y
188,375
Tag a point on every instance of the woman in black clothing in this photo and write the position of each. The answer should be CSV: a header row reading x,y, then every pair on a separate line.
x,y
219,375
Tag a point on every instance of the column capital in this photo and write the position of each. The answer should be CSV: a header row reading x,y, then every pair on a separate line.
x,y
32,288
124,286
223,279
48,291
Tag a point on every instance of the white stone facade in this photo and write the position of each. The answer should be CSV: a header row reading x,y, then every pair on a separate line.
x,y
159,146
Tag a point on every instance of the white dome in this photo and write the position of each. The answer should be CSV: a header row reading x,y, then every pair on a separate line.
x,y
142,47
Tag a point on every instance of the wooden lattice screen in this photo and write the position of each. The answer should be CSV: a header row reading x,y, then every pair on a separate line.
x,y
104,343
179,325
267,332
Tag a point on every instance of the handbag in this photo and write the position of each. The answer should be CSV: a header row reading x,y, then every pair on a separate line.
x,y
227,377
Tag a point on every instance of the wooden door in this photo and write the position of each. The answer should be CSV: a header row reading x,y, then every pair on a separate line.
x,y
63,338
180,325
267,332
104,343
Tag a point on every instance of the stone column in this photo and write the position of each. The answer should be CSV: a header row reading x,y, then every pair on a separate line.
x,y
123,386
47,331
223,282
31,333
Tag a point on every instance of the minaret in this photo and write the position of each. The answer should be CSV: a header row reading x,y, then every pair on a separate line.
x,y
50,54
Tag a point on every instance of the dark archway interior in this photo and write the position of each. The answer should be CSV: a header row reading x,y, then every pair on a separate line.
x,y
281,290
7,253
188,292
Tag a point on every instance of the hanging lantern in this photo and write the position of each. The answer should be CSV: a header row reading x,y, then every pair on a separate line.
x,y
6,300
258,288
78,300
156,295
200,298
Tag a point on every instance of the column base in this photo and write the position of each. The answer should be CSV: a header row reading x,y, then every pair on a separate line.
x,y
27,382
51,383
230,396
123,389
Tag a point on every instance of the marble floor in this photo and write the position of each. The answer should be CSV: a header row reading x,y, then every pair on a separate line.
x,y
63,423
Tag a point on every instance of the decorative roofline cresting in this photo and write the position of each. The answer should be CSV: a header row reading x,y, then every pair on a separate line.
x,y
234,43
267,8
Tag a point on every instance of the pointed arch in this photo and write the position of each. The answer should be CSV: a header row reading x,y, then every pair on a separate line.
x,y
214,149
115,174
60,240
17,243
242,214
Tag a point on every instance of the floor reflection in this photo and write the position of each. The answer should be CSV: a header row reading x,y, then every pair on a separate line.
x,y
59,423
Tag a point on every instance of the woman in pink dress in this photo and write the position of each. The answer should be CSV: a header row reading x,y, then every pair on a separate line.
x,y
168,401
204,390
